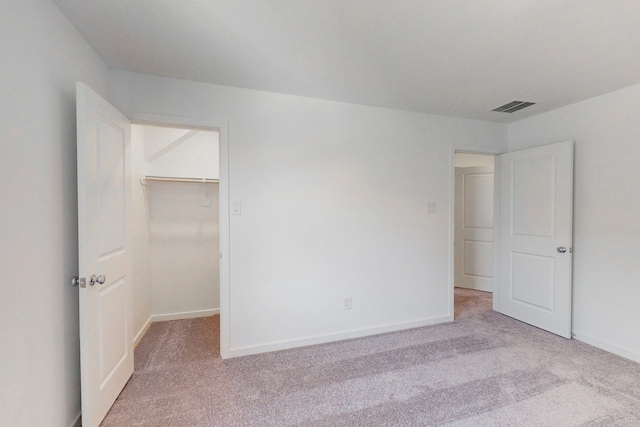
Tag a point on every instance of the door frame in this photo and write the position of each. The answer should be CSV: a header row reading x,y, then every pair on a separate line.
x,y
222,127
472,149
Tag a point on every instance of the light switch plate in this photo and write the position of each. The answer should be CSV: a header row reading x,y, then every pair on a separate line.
x,y
236,207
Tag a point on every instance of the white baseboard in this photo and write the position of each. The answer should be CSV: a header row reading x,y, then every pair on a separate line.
x,y
184,315
321,339
77,421
143,331
607,346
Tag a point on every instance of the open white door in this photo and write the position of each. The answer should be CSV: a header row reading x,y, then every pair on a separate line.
x,y
536,202
473,231
106,333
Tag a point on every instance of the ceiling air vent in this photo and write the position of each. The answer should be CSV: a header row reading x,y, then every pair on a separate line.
x,y
513,106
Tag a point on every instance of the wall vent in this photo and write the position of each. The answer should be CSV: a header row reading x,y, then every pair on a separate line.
x,y
513,106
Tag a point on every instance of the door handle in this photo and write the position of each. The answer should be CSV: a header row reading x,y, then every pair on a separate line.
x,y
75,280
561,250
97,279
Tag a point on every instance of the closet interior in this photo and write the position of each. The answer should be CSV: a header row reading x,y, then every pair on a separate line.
x,y
175,196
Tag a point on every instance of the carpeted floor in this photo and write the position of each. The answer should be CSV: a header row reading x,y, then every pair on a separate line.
x,y
484,369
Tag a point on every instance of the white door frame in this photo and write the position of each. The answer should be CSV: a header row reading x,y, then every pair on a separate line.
x,y
222,127
471,149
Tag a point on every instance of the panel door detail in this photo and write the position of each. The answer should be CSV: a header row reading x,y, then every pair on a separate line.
x,y
536,200
106,333
474,229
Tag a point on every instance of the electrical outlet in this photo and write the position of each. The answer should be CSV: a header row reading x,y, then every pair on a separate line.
x,y
431,207
347,303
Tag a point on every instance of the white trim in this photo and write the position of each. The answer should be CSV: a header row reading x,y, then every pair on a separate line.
x,y
452,228
222,126
476,149
607,346
321,339
497,177
140,334
77,421
177,121
184,315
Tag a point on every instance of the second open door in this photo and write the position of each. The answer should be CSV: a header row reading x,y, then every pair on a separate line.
x,y
535,243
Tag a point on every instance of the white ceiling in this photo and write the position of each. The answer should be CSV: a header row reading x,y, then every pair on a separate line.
x,y
454,57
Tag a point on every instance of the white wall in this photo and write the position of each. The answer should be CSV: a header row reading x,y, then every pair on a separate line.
x,y
184,261
466,160
42,58
140,241
181,152
606,131
333,198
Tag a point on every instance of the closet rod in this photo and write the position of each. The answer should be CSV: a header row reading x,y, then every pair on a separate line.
x,y
144,179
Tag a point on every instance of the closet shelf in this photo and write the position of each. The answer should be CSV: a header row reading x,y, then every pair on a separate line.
x,y
145,178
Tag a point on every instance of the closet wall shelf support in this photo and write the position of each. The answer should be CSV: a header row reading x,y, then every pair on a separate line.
x,y
145,178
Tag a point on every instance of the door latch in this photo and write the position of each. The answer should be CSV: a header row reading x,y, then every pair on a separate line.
x,y
75,281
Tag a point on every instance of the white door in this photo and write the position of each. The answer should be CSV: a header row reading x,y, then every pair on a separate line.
x,y
106,333
473,233
536,201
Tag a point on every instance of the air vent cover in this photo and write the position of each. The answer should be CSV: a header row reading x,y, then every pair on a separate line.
x,y
513,106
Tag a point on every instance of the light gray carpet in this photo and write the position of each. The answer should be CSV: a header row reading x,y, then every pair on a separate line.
x,y
484,369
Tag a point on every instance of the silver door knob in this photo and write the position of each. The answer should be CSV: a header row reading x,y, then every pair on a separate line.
x,y
97,279
561,250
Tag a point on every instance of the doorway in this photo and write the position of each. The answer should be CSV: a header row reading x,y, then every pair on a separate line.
x,y
175,233
106,251
473,228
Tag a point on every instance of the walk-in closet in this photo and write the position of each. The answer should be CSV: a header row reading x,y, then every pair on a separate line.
x,y
176,263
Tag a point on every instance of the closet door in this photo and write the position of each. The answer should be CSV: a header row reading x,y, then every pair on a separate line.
x,y
106,333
